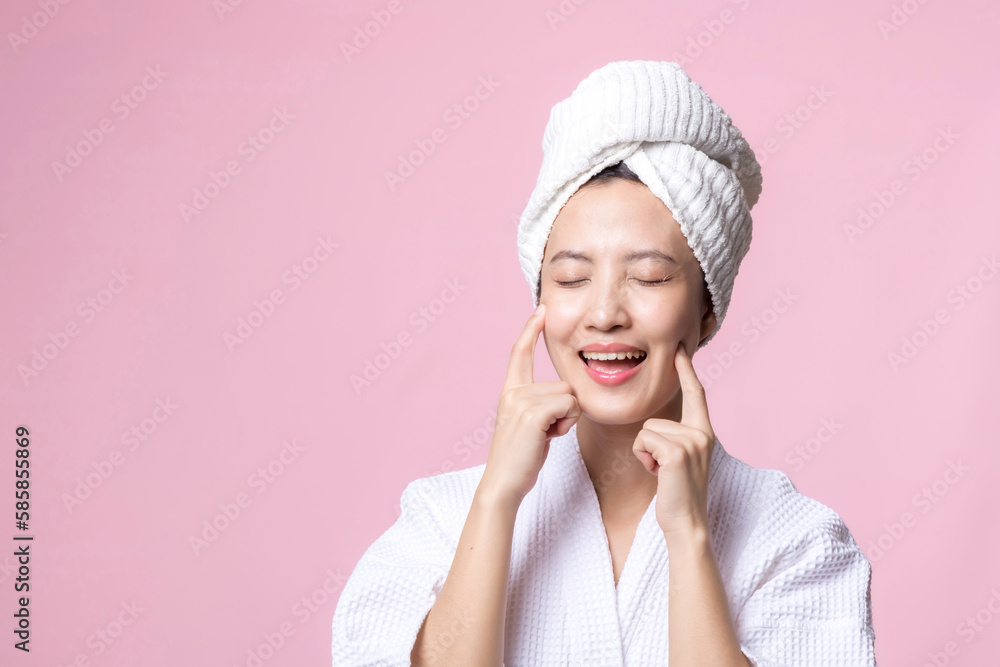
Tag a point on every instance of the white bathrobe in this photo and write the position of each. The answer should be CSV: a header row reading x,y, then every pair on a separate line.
x,y
797,583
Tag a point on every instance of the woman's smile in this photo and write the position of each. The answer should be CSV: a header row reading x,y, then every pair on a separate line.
x,y
622,289
612,364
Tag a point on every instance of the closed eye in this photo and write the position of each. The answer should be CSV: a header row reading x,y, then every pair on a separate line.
x,y
566,283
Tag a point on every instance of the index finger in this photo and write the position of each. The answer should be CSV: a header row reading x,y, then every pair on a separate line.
x,y
520,369
694,407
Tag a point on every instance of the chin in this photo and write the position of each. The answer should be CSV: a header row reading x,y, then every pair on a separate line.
x,y
611,414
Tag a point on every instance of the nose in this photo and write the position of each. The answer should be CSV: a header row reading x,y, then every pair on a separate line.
x,y
607,307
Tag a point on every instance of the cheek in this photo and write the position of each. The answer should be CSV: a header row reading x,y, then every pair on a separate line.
x,y
560,318
663,320
562,337
559,335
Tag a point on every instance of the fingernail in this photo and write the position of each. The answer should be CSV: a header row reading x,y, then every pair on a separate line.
x,y
540,308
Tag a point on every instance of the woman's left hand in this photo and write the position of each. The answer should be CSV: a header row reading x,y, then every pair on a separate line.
x,y
679,454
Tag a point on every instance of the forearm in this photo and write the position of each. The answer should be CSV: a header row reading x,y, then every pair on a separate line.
x,y
466,624
701,630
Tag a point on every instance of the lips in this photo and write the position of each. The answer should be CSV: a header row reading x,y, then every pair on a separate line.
x,y
612,366
610,347
611,372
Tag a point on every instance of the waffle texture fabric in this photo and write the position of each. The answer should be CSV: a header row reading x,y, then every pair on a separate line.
x,y
681,144
798,585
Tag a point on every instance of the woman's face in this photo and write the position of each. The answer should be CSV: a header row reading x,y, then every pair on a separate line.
x,y
617,269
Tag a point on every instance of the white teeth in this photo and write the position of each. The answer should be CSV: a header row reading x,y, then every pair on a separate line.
x,y
600,356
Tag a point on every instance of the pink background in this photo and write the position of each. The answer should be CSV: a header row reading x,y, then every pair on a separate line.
x,y
319,173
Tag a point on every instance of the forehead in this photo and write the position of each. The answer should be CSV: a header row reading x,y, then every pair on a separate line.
x,y
616,218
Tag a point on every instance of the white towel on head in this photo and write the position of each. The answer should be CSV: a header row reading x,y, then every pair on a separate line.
x,y
682,145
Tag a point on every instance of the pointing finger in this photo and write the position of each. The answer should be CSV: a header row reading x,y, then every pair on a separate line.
x,y
520,369
694,407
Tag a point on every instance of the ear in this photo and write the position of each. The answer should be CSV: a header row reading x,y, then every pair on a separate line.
x,y
708,325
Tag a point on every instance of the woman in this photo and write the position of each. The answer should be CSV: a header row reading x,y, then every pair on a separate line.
x,y
608,525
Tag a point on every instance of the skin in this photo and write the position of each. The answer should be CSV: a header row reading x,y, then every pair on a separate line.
x,y
661,415
605,300
657,422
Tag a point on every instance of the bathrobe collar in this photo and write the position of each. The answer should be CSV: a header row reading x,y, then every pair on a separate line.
x,y
602,617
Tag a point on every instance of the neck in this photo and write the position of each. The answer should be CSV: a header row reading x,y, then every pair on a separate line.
x,y
624,487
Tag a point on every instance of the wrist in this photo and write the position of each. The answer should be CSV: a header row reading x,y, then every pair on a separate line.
x,y
688,537
495,497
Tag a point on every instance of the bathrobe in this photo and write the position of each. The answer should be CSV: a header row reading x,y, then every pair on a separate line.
x,y
798,585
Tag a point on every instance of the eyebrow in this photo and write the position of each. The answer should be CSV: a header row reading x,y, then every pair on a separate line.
x,y
629,258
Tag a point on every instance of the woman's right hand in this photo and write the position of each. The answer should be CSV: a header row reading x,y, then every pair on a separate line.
x,y
528,416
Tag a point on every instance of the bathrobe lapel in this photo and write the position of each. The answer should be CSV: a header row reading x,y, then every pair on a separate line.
x,y
576,545
603,620
584,562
